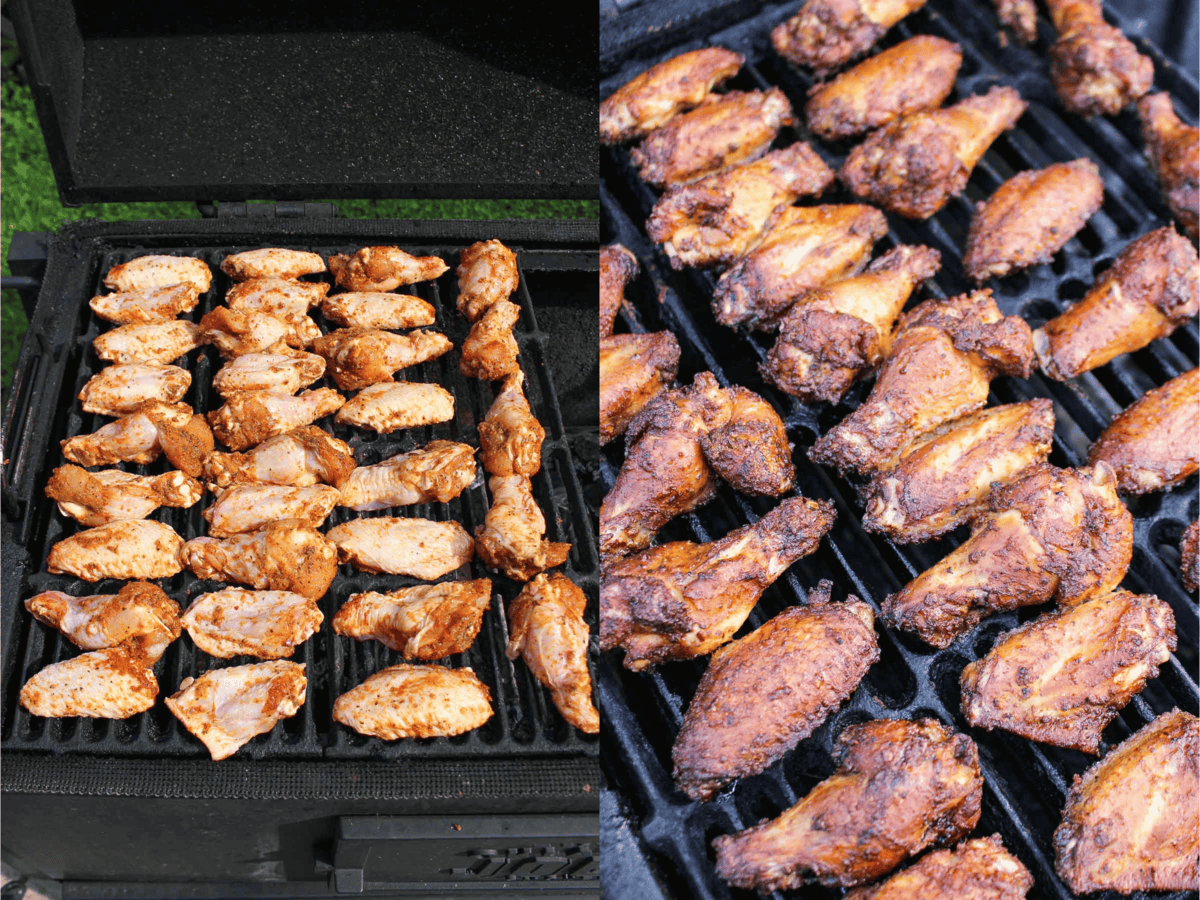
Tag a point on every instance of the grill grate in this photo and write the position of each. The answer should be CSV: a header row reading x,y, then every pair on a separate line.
x,y
1026,783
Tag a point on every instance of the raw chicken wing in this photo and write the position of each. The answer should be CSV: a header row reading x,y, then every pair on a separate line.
x,y
283,371
280,297
103,684
487,273
140,307
236,332
140,619
415,702
618,267
439,471
120,389
140,437
376,309
634,369
265,624
979,869
1094,67
250,417
388,407
98,498
146,273
825,34
1175,149
284,555
511,537
490,350
426,622
510,437
152,342
248,507
299,458
272,262
383,269
126,550
357,357
399,546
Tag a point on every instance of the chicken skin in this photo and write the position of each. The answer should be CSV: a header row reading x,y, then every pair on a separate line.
x,y
916,164
250,417
128,550
618,267
103,684
1189,557
439,471
715,220
98,498
900,787
1031,217
235,332
225,708
383,269
248,507
1094,68
272,262
415,702
285,371
751,450
663,91
400,546
763,694
151,342
681,600
914,75
979,869
487,273
490,350
376,309
140,619
826,34
510,436
807,248
512,536
1020,16
547,629
426,622
148,273
264,624
833,335
388,407
280,297
357,357
1152,445
1175,149
284,555
724,130
143,307
1132,822
299,458
634,369
1062,678
152,430
120,389
1146,294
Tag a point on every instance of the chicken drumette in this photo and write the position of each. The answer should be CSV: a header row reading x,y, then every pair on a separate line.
x,y
618,267
1175,149
1095,69
357,357
487,272
284,555
510,436
490,349
979,869
1020,16
634,369
825,34
426,622
512,536
236,332
98,498
153,429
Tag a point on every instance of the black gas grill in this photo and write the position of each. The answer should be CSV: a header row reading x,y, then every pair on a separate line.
x,y
655,841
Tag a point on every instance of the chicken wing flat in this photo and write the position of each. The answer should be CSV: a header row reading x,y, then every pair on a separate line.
x,y
147,273
547,628
235,332
914,75
751,449
979,869
299,458
225,708
763,694
285,371
1175,149
142,436
715,220
426,622
141,307
916,164
681,600
807,248
1020,16
248,507
439,471
1189,557
284,555
250,417
634,369
415,702
280,297
1146,294
140,619
944,357
1152,445
272,262
128,550
103,684
357,357
1132,822
150,342
490,350
120,389
900,787
377,309
383,269
1031,217
98,498
265,624
388,407
832,335
418,547
510,436
487,272
724,130
618,267
944,481
1062,678
1095,69
826,34
663,91
512,536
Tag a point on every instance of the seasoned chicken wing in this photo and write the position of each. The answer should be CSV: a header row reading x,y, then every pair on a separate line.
x,y
376,309
751,449
715,220
618,267
147,273
1095,69
415,702
127,550
724,130
979,869
763,694
383,269
388,407
141,307
1132,822
900,787
634,369
487,273
439,471
140,619
141,436
248,507
284,555
299,458
682,600
357,357
284,371
663,91
426,622
490,350
1175,149
1189,557
1020,16
120,389
1031,217
280,297
265,624
512,536
399,546
103,684
236,332
225,708
510,436
250,417
916,164
98,498
827,33
151,342
272,262
547,629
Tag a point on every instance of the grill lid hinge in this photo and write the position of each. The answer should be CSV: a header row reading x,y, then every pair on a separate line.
x,y
279,209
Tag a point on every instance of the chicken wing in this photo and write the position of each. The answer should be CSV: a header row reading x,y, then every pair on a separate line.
x,y
280,297
681,600
487,272
1132,822
547,629
1095,69
415,702
383,269
225,708
979,869
272,262
510,436
151,342
1189,557
236,332
834,334
1031,217
618,267
663,91
900,787
807,248
148,273
634,369
825,34
1020,16
128,550
284,371
375,309
426,622
120,389
914,75
264,624
715,220
751,450
399,546
141,307
250,417
388,407
299,458
724,130
439,471
103,684
140,619
916,164
1146,294
1062,678
512,536
284,555
141,436
98,498
766,692
357,357
248,507
1175,149
490,350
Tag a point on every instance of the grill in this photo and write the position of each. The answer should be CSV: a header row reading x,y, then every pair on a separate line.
x,y
657,842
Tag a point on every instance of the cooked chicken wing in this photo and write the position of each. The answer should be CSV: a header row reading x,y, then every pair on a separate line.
x,y
511,538
265,624
1189,557
510,437
439,471
618,267
1146,294
1175,149
1031,217
724,130
763,694
383,269
426,622
236,332
914,75
140,619
834,334
284,555
250,417
248,507
634,369
151,342
127,550
147,273
284,371
1094,67
225,708
120,389
140,437
1062,678
547,628
663,91
1020,16
900,787
682,600
357,357
280,297
916,164
272,262
415,702
487,272
97,498
375,309
388,407
1132,822
808,247
418,547
751,450
152,305
715,220
825,34
299,458
490,350
103,684
979,869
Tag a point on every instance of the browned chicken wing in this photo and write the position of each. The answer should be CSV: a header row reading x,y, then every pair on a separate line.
x,y
153,429
103,684
250,417
284,555
299,458
357,357
510,436
140,619
426,622
1175,148
618,267
490,350
827,33
1095,69
634,369
512,536
415,702
1020,16
487,272
979,869
383,269
272,262
1189,557
751,450
97,498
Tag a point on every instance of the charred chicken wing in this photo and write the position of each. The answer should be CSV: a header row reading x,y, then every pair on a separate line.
x,y
1175,149
250,417
103,684
751,449
126,550
979,869
140,619
618,267
1020,16
383,269
415,702
299,458
426,622
487,272
825,34
1095,69
634,369
357,357
284,555
418,547
98,498
510,437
